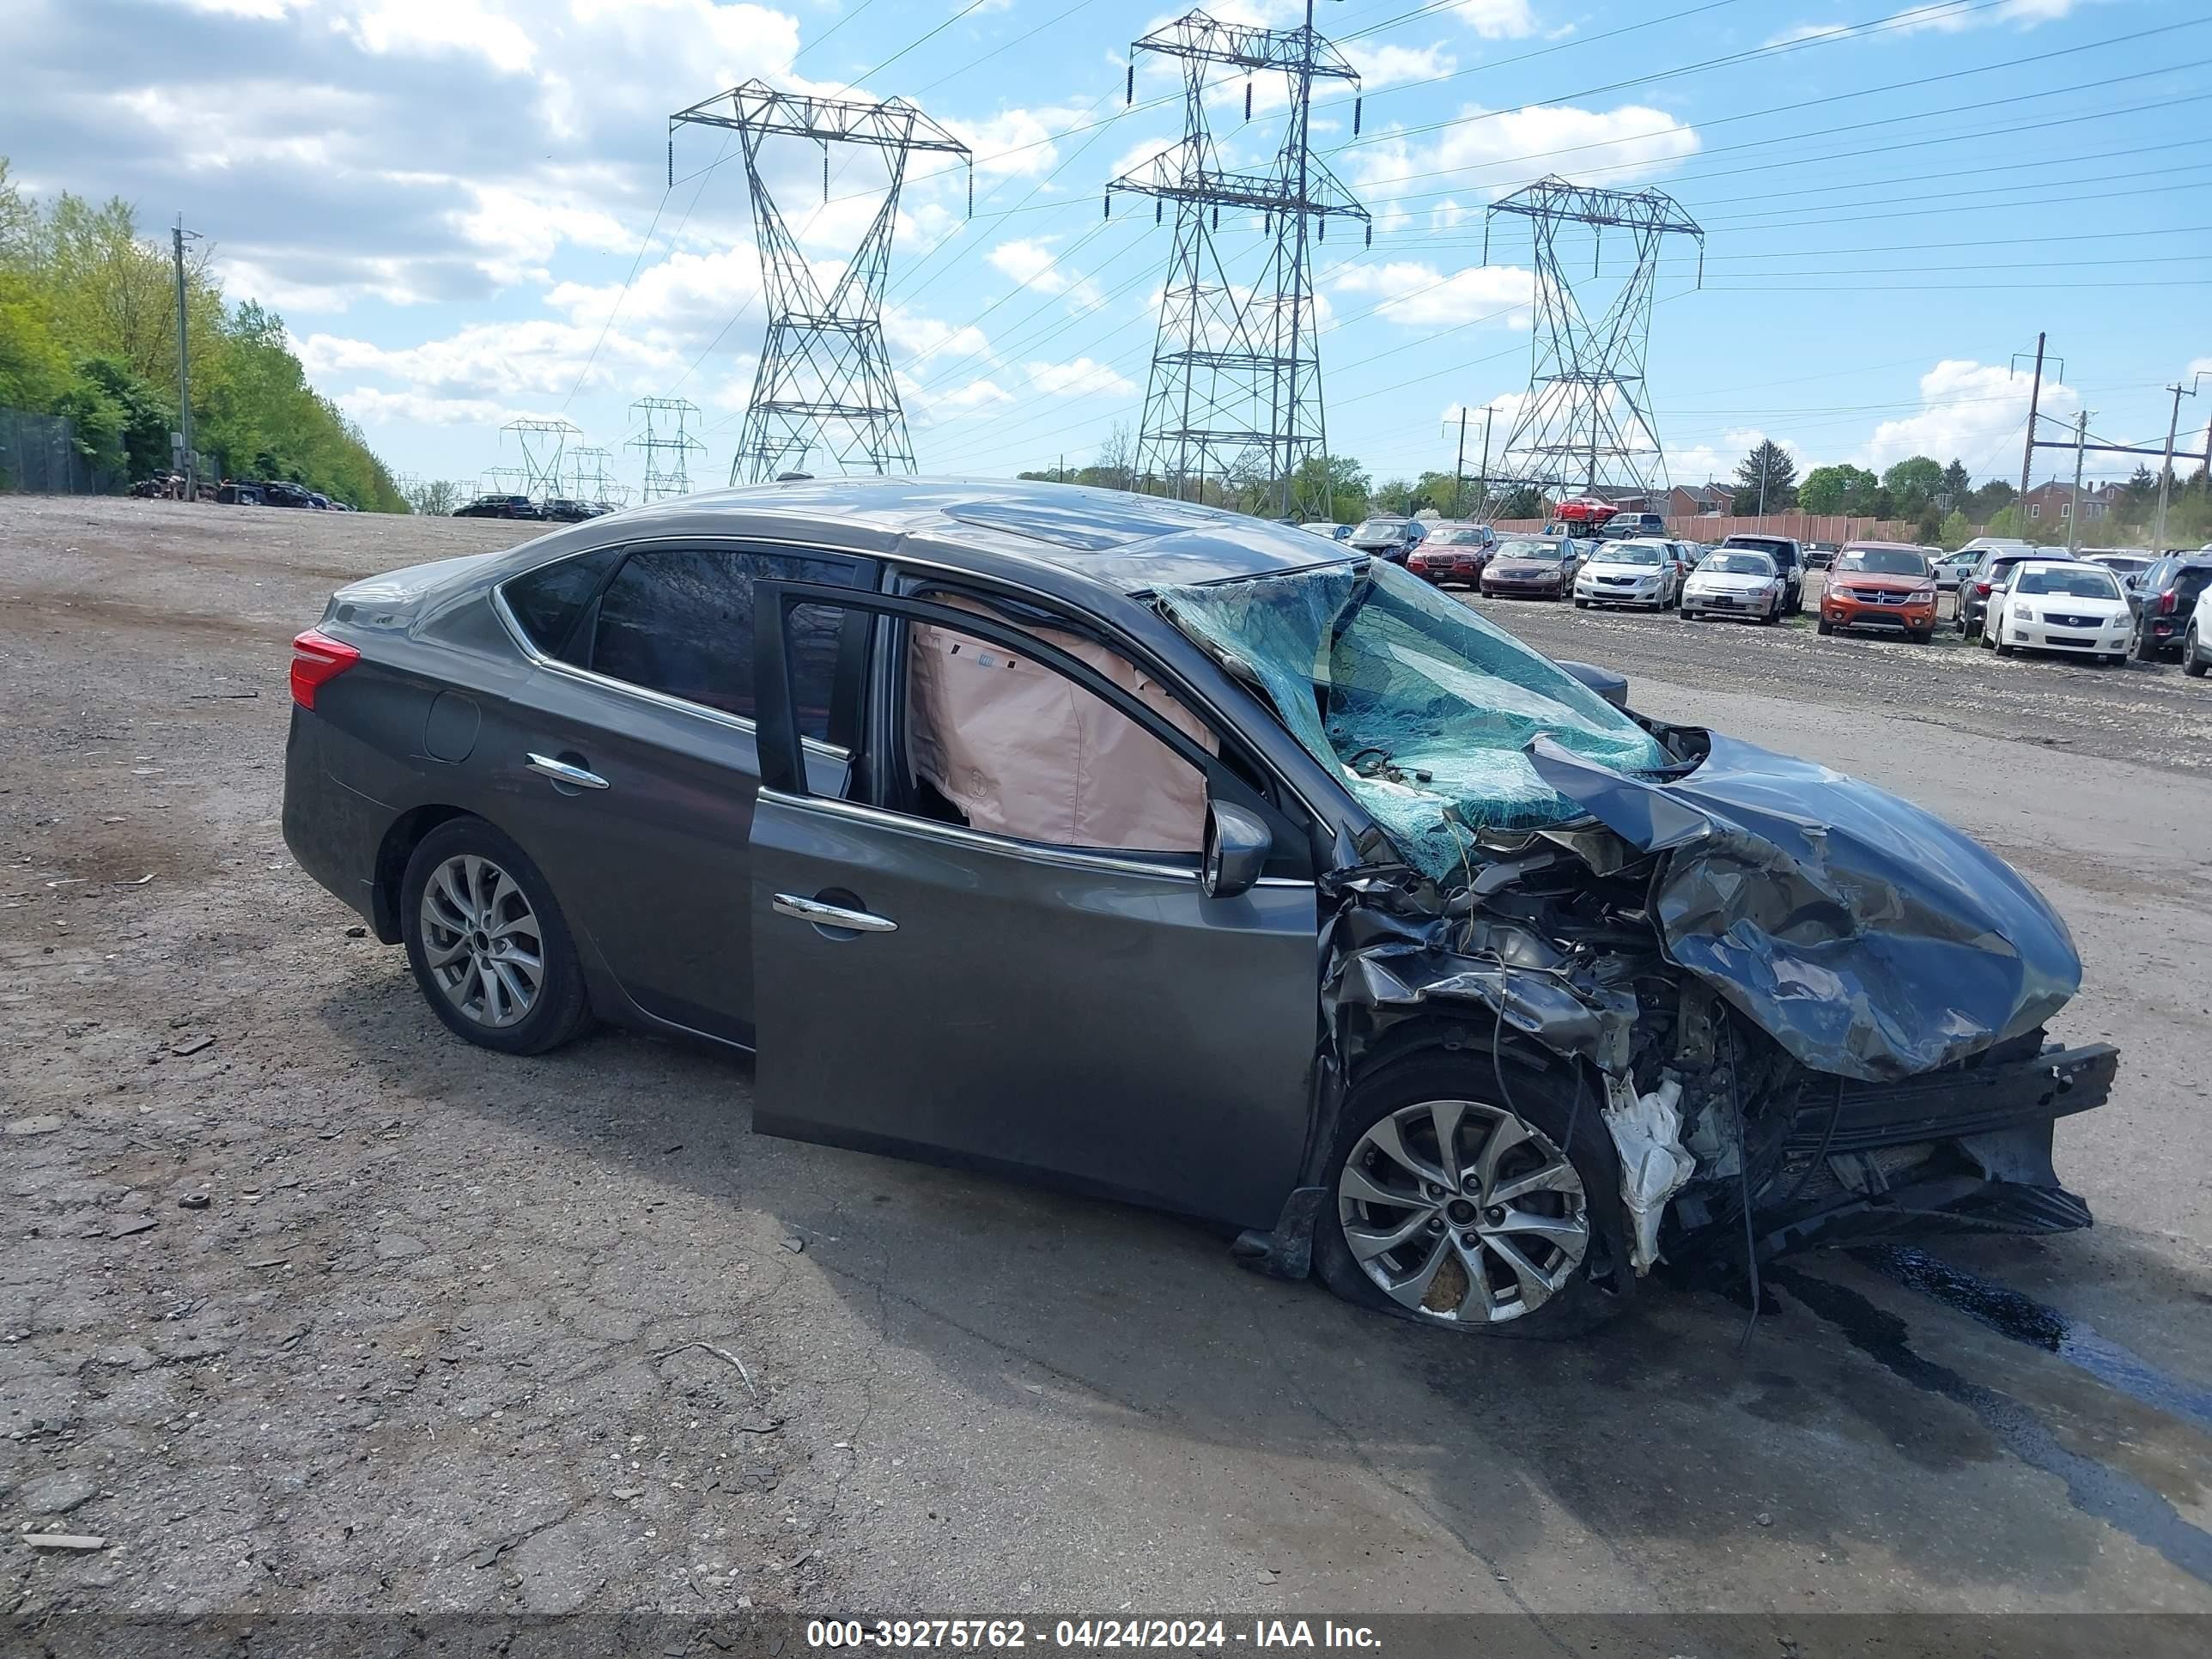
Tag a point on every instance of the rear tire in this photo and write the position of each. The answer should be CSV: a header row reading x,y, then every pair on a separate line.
x,y
1573,1276
468,942
2192,655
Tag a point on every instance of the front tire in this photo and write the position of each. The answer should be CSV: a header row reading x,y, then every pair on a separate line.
x,y
488,944
2192,655
1453,1208
1824,626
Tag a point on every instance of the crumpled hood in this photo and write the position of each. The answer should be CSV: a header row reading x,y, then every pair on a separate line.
x,y
1866,936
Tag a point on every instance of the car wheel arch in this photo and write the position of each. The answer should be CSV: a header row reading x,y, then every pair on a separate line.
x,y
400,840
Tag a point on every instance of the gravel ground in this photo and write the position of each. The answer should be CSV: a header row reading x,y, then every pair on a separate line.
x,y
304,1305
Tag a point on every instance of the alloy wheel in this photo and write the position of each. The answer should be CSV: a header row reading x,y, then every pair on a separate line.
x,y
481,941
1462,1212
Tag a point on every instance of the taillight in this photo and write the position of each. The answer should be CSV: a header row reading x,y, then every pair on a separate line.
x,y
2166,602
317,659
1982,588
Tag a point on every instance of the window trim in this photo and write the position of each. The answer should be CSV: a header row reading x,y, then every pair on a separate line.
x,y
538,659
1043,852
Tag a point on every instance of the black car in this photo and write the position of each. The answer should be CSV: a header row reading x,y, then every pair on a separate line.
x,y
563,510
1387,536
2164,598
1171,855
277,493
1973,601
500,507
1788,562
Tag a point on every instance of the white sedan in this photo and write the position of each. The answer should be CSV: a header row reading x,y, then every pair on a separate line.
x,y
1642,571
1735,582
2060,604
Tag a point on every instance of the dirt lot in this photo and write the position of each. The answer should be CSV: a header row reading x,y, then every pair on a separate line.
x,y
453,1331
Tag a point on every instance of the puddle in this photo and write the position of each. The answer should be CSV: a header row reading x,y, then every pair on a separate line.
x,y
2021,1317
2095,1489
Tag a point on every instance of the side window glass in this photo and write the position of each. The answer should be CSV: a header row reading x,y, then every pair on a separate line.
x,y
998,742
679,620
549,601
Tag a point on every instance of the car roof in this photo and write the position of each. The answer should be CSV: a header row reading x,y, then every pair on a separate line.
x,y
1117,539
1886,547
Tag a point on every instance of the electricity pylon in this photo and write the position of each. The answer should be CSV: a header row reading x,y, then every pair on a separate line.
x,y
587,475
672,476
1235,386
825,393
541,443
1586,422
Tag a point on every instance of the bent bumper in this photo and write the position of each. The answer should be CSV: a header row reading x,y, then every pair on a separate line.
x,y
1965,1149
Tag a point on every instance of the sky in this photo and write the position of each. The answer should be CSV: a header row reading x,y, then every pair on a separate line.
x,y
462,210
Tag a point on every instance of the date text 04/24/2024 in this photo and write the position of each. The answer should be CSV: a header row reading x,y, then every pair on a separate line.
x,y
1007,1635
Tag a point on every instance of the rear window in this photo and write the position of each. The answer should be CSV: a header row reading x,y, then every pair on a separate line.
x,y
2189,582
680,622
547,601
1774,549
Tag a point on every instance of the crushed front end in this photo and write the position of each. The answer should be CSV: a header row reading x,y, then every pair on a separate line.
x,y
1792,996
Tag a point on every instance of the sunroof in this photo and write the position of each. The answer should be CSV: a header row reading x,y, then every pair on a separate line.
x,y
1090,526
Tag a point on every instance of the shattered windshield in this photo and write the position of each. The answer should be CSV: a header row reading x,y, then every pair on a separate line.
x,y
1419,706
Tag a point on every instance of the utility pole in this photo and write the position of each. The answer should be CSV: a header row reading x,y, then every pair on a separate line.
x,y
2028,453
1487,413
2074,513
2166,474
191,467
1459,465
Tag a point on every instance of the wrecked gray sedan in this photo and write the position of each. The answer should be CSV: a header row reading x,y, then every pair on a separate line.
x,y
1172,855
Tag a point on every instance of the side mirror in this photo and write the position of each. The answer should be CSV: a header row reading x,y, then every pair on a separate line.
x,y
1237,842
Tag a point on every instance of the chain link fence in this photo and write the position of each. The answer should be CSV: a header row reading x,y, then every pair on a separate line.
x,y
38,456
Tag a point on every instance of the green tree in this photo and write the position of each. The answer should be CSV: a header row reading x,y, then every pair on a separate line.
x,y
1955,532
1913,482
89,329
1983,504
1766,480
440,496
1520,501
1841,488
1957,481
1393,496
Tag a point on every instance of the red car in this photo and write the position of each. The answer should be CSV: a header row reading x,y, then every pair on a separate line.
x,y
1453,553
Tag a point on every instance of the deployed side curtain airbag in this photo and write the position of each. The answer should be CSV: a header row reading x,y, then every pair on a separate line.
x,y
1023,751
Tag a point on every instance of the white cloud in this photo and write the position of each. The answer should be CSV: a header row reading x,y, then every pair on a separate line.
x,y
1082,378
535,358
1513,148
1418,296
1498,19
1969,410
371,407
1945,17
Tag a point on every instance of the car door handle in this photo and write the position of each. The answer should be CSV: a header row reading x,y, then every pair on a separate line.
x,y
561,772
830,915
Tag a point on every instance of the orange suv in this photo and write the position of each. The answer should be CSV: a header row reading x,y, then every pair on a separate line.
x,y
1879,585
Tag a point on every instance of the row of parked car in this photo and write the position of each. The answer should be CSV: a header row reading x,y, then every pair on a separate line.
x,y
558,509
2012,595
